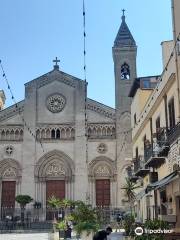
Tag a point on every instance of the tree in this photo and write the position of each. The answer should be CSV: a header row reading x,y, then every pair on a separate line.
x,y
23,200
129,189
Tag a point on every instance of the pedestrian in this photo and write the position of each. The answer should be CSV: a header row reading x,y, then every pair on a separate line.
x,y
102,235
68,232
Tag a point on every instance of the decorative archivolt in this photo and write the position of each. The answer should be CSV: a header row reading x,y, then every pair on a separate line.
x,y
11,133
10,169
101,131
55,165
56,132
102,167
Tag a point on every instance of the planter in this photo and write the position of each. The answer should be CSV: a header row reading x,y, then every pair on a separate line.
x,y
54,236
127,238
85,236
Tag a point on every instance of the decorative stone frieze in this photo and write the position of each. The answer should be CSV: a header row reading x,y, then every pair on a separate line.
x,y
101,130
56,132
11,133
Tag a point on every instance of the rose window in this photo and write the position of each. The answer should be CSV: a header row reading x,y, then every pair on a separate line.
x,y
56,103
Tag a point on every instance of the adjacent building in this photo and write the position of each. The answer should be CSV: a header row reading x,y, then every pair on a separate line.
x,y
155,121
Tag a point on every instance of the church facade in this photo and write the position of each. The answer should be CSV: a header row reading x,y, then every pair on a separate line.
x,y
59,142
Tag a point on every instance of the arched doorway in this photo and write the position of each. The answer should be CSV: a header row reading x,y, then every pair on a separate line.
x,y
10,180
54,174
102,182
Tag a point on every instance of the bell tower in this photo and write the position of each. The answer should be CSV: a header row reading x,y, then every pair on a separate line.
x,y
124,55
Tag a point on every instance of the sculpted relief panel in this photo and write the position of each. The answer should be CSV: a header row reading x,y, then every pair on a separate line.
x,y
55,169
102,171
9,173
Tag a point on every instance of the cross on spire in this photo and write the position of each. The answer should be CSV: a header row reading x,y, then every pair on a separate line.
x,y
123,10
56,61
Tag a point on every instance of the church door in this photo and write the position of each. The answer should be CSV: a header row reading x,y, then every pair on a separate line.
x,y
54,188
103,192
8,194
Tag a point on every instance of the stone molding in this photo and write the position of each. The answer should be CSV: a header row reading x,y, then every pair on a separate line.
x,y
101,109
10,169
67,131
60,165
101,130
11,133
102,167
51,77
12,111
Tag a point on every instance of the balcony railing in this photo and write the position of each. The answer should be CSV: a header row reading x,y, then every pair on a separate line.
x,y
131,174
153,156
174,133
139,167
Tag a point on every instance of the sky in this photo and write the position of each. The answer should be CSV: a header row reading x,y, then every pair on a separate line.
x,y
34,32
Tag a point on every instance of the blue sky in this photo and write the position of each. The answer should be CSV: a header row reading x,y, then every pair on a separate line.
x,y
34,32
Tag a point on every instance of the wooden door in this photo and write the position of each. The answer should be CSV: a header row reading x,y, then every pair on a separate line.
x,y
8,194
55,188
103,192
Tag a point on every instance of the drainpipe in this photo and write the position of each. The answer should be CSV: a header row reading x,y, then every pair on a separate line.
x,y
176,57
166,113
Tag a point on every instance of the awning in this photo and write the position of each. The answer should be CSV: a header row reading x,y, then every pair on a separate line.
x,y
163,182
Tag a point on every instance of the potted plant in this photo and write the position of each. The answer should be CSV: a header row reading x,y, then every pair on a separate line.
x,y
54,203
23,200
86,220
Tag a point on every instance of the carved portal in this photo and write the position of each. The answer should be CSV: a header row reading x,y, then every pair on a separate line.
x,y
55,169
102,171
9,173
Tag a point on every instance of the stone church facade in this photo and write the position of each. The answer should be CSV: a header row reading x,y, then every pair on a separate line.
x,y
69,157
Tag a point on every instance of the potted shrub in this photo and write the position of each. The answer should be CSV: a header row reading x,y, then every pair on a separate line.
x,y
85,221
54,203
23,200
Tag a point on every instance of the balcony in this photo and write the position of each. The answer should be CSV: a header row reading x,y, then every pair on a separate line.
x,y
140,169
174,133
162,141
153,156
131,175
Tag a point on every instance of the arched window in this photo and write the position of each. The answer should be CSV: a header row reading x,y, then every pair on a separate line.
x,y
125,71
53,134
58,133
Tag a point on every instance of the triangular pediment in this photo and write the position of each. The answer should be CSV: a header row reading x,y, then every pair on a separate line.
x,y
52,76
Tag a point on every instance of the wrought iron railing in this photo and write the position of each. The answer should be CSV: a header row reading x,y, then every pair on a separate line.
x,y
138,164
174,133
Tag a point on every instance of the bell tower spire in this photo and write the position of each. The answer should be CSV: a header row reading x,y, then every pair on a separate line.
x,y
124,55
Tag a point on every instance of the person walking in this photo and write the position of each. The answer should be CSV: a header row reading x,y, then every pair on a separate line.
x,y
102,235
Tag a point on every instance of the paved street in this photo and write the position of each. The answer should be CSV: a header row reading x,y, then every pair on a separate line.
x,y
44,236
116,236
